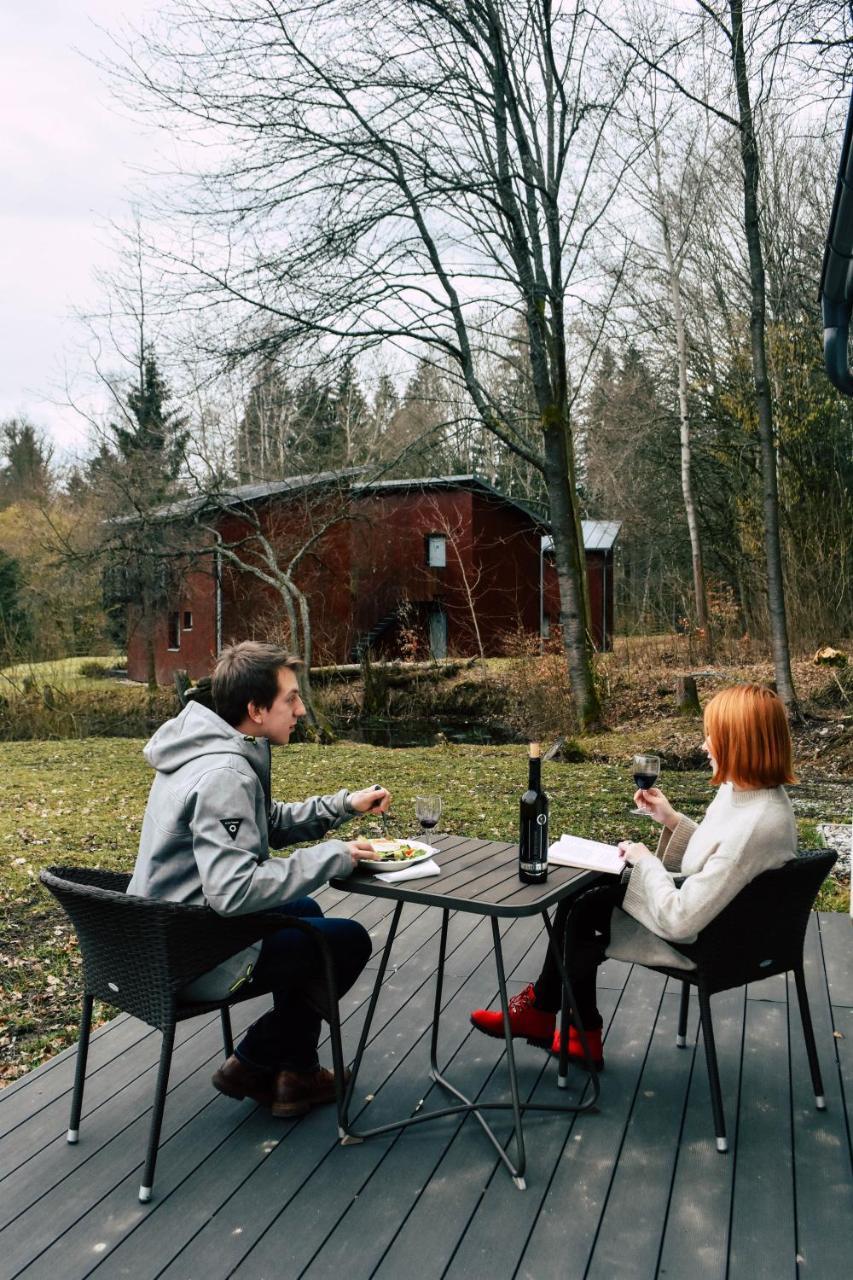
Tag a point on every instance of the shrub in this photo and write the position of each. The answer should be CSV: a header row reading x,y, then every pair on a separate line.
x,y
95,670
112,712
540,702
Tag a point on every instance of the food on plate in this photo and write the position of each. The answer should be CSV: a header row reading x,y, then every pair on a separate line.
x,y
394,850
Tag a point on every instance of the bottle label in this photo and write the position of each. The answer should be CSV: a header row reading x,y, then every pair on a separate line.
x,y
534,845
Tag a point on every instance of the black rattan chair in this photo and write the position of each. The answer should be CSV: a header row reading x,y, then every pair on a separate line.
x,y
759,934
139,953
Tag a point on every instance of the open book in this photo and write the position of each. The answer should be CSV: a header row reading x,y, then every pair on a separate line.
x,y
590,855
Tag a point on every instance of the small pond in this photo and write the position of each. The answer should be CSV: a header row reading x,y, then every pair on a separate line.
x,y
422,733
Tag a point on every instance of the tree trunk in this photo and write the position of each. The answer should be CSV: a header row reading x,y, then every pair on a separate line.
x,y
764,406
687,696
571,576
148,625
699,593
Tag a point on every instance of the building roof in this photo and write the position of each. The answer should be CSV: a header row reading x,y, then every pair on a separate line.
x,y
456,482
239,494
598,535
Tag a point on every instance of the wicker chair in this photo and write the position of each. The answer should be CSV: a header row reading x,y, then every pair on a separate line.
x,y
138,954
759,934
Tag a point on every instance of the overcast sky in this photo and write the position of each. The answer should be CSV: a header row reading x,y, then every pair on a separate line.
x,y
67,156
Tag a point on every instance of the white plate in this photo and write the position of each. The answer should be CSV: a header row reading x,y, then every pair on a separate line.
x,y
393,864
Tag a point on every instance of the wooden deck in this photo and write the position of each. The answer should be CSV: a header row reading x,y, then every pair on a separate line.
x,y
636,1189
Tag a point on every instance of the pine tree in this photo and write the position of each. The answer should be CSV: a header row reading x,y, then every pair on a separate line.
x,y
14,624
264,448
25,472
135,475
153,442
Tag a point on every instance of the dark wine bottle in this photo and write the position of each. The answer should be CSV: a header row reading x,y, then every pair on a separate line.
x,y
533,826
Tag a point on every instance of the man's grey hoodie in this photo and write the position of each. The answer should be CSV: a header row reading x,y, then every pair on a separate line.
x,y
210,822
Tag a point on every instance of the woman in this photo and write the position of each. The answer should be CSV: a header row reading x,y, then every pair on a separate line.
x,y
748,828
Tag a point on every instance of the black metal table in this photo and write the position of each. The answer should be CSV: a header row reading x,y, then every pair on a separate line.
x,y
479,877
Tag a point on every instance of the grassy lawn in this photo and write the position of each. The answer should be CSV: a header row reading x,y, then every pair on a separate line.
x,y
62,673
81,802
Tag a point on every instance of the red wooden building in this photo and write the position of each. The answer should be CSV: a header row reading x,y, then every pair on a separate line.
x,y
438,566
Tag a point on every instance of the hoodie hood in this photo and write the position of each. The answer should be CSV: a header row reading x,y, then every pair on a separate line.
x,y
197,732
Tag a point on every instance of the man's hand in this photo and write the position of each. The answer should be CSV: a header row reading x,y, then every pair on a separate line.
x,y
359,850
633,852
371,800
655,804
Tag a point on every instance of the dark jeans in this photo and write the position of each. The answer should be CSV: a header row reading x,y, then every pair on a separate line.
x,y
590,934
290,963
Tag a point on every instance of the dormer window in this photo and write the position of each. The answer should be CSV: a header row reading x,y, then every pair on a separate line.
x,y
436,551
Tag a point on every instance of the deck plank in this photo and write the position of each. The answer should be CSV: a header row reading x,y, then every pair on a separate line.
x,y
496,1232
435,1182
261,1208
822,1158
636,1189
763,1224
631,1227
836,933
567,1226
696,1232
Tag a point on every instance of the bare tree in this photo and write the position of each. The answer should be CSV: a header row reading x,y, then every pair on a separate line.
x,y
463,551
669,195
395,169
268,540
751,47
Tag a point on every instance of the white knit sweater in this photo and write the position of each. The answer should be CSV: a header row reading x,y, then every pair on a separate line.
x,y
742,834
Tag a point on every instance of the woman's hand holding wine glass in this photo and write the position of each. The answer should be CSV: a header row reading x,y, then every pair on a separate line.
x,y
646,771
656,806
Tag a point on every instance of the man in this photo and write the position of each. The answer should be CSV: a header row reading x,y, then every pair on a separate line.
x,y
206,835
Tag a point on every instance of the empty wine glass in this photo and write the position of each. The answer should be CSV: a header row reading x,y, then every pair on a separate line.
x,y
427,811
646,771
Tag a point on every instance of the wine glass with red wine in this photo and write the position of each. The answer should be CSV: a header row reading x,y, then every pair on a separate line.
x,y
646,771
427,811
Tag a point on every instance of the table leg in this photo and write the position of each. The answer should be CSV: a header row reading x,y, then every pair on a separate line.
x,y
518,1172
343,1111
466,1106
569,998
563,1067
436,1009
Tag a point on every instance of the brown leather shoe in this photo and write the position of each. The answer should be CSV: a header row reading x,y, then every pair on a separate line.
x,y
237,1080
298,1091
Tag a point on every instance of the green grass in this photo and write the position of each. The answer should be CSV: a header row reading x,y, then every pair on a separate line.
x,y
62,673
82,802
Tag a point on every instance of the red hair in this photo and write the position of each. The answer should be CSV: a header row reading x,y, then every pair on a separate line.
x,y
749,736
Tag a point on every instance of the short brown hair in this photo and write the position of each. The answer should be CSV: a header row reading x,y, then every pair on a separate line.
x,y
749,735
248,672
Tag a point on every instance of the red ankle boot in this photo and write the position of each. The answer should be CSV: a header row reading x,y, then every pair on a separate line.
x,y
537,1025
593,1039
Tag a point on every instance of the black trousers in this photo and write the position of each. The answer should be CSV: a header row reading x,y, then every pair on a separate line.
x,y
590,934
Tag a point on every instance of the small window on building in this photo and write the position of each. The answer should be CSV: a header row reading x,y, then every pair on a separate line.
x,y
174,631
436,551
188,620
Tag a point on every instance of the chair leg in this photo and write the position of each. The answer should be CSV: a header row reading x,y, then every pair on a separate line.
x,y
681,1037
713,1073
227,1036
80,1068
808,1036
157,1114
